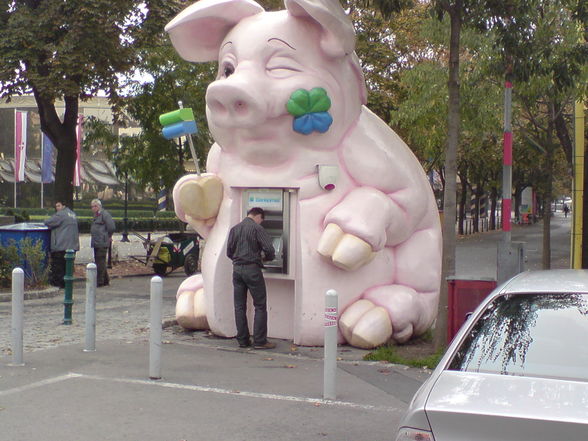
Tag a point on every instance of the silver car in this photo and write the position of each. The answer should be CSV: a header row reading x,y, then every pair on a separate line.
x,y
516,371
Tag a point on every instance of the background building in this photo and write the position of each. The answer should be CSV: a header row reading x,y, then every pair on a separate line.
x,y
98,176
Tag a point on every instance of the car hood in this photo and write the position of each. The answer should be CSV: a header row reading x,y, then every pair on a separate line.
x,y
488,407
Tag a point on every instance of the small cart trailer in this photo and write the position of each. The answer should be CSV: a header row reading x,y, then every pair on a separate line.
x,y
170,252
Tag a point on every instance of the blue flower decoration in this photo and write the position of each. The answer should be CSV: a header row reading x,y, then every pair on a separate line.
x,y
306,124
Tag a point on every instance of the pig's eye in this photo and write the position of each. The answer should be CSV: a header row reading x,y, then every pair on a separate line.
x,y
282,67
228,70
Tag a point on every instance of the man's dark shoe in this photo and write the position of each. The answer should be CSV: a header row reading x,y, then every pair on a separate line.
x,y
266,345
246,344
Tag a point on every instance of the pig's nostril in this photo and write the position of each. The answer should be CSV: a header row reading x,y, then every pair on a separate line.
x,y
217,107
240,107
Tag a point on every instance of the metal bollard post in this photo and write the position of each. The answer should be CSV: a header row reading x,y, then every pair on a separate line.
x,y
17,316
91,276
155,328
330,349
68,279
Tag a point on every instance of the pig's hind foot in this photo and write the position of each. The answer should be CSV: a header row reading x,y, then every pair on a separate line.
x,y
384,313
190,304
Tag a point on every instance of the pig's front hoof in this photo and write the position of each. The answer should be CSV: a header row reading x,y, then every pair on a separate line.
x,y
365,325
346,251
190,310
201,199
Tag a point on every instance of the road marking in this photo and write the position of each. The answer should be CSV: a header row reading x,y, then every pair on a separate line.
x,y
196,388
216,390
37,384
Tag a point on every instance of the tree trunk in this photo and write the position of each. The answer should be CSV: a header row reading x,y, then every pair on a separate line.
x,y
548,197
479,191
63,137
449,205
462,204
517,200
493,203
563,134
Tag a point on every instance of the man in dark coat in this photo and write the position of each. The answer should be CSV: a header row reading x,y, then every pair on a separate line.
x,y
64,236
246,242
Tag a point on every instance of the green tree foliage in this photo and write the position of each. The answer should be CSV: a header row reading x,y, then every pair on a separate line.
x,y
70,50
163,79
386,47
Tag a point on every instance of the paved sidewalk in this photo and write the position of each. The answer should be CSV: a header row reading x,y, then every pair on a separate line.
x,y
210,389
206,393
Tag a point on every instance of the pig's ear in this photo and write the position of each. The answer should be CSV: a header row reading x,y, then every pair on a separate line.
x,y
338,37
198,30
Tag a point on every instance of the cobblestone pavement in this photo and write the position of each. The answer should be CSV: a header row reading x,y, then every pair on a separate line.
x,y
123,308
122,312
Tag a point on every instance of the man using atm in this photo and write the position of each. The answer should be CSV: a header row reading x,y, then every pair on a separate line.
x,y
246,242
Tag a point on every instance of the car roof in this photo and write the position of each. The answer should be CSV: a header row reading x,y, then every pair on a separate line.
x,y
548,281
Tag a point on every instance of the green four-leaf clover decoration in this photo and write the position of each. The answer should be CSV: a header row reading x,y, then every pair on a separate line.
x,y
309,109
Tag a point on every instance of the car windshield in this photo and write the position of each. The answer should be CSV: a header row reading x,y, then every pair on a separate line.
x,y
543,335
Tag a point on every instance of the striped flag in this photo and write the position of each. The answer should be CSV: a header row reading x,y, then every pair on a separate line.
x,y
162,200
47,160
20,145
79,137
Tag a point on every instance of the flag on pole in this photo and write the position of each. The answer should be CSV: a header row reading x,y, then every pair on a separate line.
x,y
47,160
20,145
162,200
79,136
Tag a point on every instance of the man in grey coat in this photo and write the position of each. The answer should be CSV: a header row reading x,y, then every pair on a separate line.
x,y
64,236
101,236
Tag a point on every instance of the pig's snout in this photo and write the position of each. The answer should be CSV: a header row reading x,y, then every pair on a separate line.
x,y
231,105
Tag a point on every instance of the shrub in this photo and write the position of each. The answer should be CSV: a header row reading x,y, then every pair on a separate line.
x,y
8,255
34,255
19,215
30,252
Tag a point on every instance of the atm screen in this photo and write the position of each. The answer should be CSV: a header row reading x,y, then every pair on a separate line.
x,y
276,265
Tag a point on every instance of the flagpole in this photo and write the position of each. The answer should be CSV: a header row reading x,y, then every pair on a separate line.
x,y
15,164
42,151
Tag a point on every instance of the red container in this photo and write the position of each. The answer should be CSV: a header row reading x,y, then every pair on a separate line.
x,y
463,296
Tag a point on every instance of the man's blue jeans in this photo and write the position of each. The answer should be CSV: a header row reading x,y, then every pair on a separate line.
x,y
250,277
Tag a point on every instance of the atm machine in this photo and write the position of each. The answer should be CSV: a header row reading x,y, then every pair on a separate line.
x,y
276,204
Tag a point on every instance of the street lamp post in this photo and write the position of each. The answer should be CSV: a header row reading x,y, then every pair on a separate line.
x,y
125,234
117,158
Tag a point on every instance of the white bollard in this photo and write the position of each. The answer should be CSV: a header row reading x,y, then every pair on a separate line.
x,y
91,278
330,354
17,316
155,328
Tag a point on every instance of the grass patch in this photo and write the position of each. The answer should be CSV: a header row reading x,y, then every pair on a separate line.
x,y
390,354
417,353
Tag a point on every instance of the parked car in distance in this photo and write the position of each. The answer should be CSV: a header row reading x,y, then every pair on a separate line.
x,y
517,370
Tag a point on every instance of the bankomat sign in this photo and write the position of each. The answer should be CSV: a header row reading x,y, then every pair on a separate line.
x,y
268,199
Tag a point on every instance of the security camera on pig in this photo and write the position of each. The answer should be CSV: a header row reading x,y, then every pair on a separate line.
x,y
347,203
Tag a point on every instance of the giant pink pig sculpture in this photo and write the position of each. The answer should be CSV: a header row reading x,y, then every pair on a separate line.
x,y
288,101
